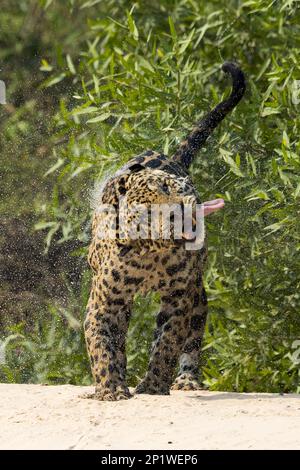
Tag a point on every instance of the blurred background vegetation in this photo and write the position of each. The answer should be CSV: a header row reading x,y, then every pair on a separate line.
x,y
92,83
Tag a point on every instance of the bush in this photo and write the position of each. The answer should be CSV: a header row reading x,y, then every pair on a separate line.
x,y
53,352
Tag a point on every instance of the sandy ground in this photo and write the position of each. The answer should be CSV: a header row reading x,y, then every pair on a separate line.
x,y
56,417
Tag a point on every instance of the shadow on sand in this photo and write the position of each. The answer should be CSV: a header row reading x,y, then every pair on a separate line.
x,y
242,396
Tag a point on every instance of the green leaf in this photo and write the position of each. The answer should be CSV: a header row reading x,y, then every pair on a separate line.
x,y
285,140
53,81
70,64
57,165
44,225
90,3
46,67
132,26
257,194
269,111
47,4
232,164
99,118
172,29
84,110
296,193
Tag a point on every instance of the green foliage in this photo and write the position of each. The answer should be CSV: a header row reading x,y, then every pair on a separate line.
x,y
53,353
142,79
28,33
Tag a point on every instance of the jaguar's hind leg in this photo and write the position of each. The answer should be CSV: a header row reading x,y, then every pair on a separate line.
x,y
188,374
169,338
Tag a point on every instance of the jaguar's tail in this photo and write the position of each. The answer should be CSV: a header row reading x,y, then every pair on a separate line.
x,y
195,140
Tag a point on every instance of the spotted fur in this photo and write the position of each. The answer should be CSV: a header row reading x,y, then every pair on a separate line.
x,y
123,267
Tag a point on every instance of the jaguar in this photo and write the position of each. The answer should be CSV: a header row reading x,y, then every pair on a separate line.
x,y
124,266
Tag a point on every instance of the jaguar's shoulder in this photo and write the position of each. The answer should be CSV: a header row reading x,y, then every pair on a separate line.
x,y
152,160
